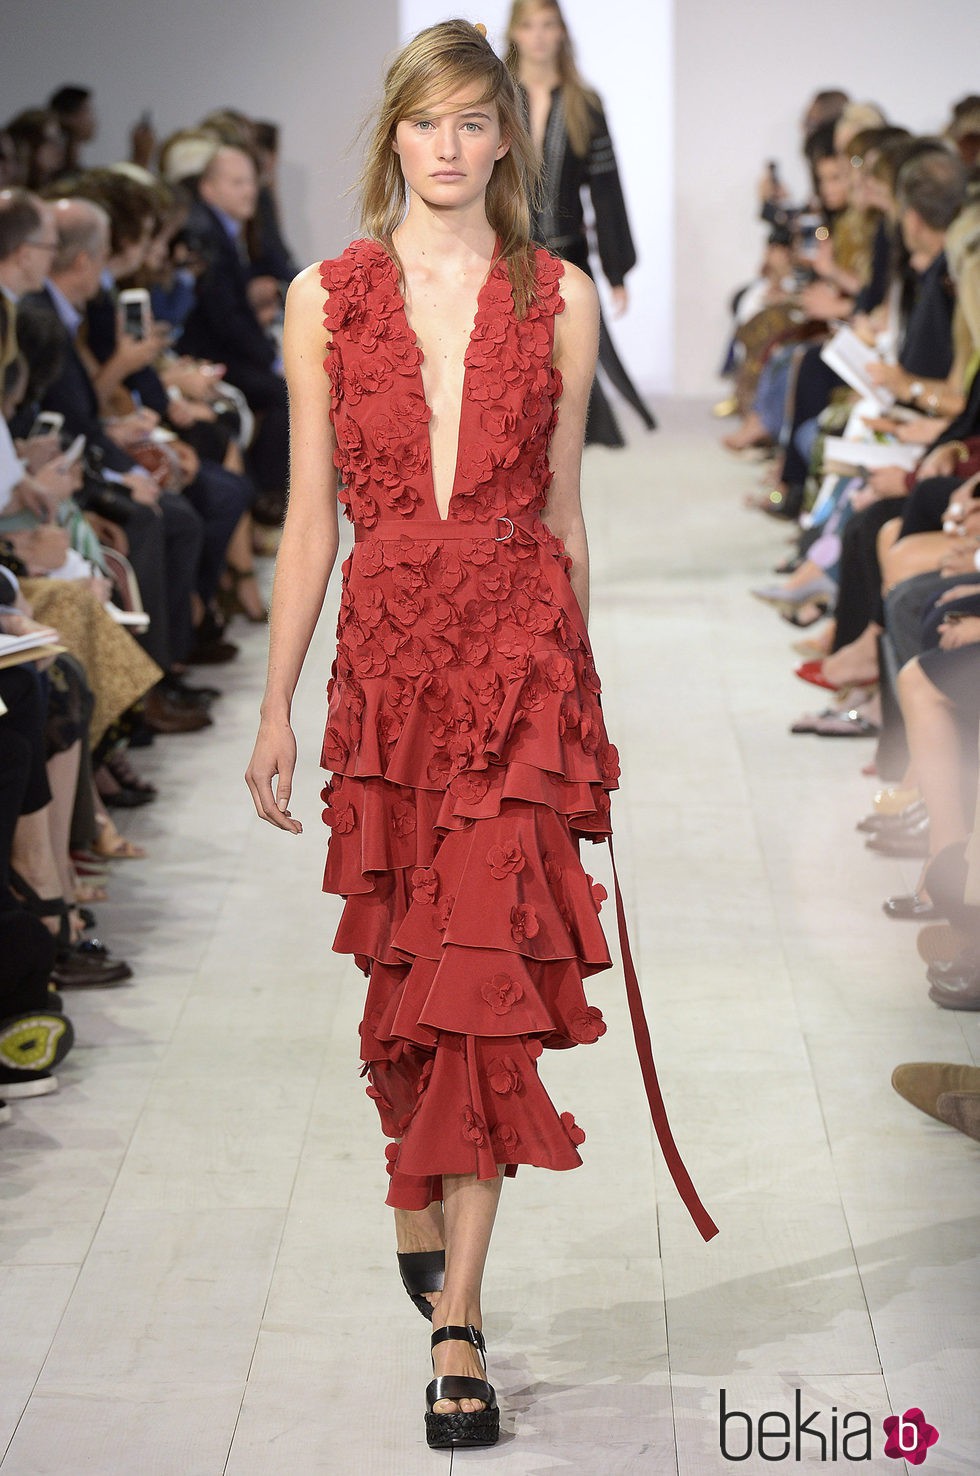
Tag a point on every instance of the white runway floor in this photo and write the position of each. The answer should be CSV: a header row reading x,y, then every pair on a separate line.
x,y
196,1267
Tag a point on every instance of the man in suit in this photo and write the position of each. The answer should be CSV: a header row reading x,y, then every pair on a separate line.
x,y
223,325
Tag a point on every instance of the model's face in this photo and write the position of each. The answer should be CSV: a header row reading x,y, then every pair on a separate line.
x,y
448,151
231,184
538,35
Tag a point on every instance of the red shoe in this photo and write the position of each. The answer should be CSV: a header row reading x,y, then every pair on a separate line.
x,y
812,672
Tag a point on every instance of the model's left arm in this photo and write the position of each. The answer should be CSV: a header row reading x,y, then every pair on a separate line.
x,y
576,348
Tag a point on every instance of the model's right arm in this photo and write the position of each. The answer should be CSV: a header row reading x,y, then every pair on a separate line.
x,y
307,550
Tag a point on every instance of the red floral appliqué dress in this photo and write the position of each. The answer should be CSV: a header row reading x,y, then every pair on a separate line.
x,y
464,736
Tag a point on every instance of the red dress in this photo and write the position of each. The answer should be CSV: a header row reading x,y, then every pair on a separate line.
x,y
464,736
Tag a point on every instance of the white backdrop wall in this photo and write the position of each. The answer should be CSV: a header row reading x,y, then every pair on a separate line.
x,y
699,94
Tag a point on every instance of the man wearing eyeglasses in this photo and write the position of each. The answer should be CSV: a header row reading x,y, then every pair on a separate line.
x,y
28,241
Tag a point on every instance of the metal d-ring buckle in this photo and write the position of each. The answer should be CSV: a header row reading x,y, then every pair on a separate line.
x,y
504,536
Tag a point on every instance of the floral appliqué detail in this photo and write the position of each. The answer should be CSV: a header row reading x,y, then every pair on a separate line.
x,y
586,1025
504,1141
403,820
474,1128
505,860
501,993
503,1075
572,1128
523,922
425,884
342,816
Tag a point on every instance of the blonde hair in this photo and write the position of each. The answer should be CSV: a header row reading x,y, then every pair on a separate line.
x,y
579,100
963,256
442,60
856,118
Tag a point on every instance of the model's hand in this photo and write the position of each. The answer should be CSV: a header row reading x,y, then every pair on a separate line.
x,y
274,755
620,299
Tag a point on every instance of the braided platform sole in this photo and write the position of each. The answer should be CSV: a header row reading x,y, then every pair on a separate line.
x,y
448,1431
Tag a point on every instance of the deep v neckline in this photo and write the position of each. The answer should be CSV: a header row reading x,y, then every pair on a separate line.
x,y
403,306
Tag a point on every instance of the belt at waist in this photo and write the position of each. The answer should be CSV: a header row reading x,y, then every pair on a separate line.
x,y
499,530
439,529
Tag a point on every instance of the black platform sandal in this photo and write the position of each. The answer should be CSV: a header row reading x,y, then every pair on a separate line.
x,y
422,1271
464,1428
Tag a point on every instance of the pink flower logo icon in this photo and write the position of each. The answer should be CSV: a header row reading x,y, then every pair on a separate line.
x,y
909,1437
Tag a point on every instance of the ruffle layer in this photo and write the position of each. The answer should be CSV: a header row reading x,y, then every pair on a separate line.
x,y
466,1106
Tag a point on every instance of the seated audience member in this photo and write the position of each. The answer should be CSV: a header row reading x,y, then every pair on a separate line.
x,y
38,145
133,371
162,533
224,326
9,172
963,129
75,111
274,255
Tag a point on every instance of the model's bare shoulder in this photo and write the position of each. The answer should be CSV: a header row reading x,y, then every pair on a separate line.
x,y
308,286
578,291
305,333
577,328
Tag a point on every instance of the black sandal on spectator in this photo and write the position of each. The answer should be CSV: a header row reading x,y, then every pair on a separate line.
x,y
119,796
123,772
210,647
43,907
230,598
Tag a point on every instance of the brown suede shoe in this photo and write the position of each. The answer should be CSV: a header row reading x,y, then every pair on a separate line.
x,y
962,1111
163,715
923,1082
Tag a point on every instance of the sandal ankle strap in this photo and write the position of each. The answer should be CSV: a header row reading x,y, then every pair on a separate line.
x,y
459,1334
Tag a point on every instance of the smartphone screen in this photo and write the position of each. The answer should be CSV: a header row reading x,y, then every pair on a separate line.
x,y
134,322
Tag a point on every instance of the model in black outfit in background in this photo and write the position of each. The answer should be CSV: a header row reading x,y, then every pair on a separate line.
x,y
569,130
